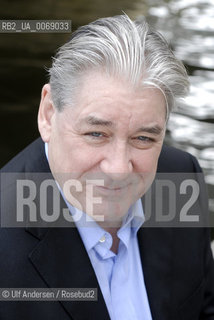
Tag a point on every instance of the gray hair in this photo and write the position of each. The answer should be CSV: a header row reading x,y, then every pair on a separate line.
x,y
120,47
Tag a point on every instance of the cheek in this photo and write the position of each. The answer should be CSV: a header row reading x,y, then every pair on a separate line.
x,y
146,161
80,159
147,166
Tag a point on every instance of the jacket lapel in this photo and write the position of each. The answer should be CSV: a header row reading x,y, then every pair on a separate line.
x,y
62,261
155,246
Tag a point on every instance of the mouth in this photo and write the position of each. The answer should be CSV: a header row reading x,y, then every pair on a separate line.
x,y
113,190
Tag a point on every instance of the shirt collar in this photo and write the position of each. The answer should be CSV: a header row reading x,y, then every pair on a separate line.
x,y
92,234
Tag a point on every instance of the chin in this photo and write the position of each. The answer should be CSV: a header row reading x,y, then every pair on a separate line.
x,y
109,212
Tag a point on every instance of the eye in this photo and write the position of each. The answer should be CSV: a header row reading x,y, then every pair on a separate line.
x,y
144,139
96,137
94,134
142,142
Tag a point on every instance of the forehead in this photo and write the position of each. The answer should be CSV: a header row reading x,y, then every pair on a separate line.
x,y
114,99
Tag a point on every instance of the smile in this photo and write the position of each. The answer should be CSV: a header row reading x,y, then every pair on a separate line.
x,y
112,190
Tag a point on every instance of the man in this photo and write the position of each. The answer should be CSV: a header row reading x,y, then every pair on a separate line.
x,y
102,120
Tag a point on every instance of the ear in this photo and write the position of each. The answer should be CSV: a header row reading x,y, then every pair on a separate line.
x,y
46,112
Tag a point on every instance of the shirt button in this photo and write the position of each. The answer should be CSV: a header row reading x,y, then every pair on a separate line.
x,y
103,239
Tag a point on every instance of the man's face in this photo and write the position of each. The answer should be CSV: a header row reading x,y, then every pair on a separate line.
x,y
113,137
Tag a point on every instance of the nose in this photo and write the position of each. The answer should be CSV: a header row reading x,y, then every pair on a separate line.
x,y
117,163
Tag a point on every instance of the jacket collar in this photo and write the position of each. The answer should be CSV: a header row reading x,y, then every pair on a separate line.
x,y
155,245
62,262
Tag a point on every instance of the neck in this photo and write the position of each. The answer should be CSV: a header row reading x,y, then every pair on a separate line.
x,y
112,227
116,240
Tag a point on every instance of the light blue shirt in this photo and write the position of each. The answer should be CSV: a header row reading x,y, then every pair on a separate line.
x,y
120,276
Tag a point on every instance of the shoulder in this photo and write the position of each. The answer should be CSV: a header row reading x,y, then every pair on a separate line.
x,y
174,160
31,159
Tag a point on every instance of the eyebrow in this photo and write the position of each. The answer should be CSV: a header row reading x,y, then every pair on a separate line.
x,y
156,130
94,121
